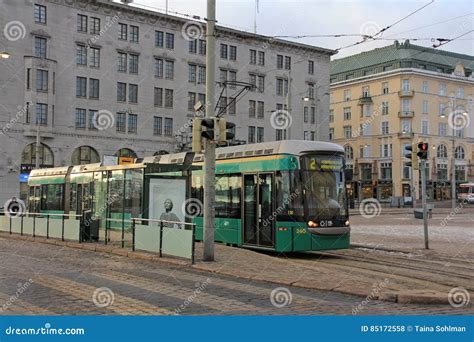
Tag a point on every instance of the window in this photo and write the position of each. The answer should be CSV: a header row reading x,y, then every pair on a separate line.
x,y
93,124
311,67
122,62
365,92
253,81
281,86
406,171
348,152
406,105
261,58
120,125
305,114
94,61
93,88
460,173
260,109
158,67
253,56
386,170
405,85
81,86
123,32
191,101
40,47
385,88
347,113
252,108
202,47
169,70
170,41
459,152
81,55
366,171
442,108
385,150
40,14
159,38
331,134
192,73
41,114
347,95
224,49
460,93
168,99
442,151
158,97
157,125
121,92
331,115
287,62
41,80
442,171
279,62
134,34
406,126
82,23
133,64
442,129
385,108
193,46
95,25
311,90
313,115
261,83
28,78
168,127
260,134
232,52
80,118
442,89
424,87
347,132
424,127
202,75
251,138
133,93
132,123
425,106
84,155
384,128
232,106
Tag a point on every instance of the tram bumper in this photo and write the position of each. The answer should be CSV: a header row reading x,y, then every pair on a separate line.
x,y
330,230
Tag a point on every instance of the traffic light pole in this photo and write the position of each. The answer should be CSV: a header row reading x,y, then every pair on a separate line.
x,y
209,145
423,198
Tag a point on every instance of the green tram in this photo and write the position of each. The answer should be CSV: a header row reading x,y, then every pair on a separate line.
x,y
285,196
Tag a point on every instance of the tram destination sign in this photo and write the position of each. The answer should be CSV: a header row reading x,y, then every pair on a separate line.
x,y
324,163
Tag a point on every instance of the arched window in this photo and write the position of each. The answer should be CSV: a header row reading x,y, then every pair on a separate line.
x,y
126,152
459,152
46,157
348,152
85,155
442,151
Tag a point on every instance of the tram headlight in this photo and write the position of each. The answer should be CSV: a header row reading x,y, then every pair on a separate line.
x,y
347,223
312,224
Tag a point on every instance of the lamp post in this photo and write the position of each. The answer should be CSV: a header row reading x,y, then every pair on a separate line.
x,y
4,55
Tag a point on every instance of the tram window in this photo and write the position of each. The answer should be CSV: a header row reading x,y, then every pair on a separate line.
x,y
52,196
133,192
197,189
73,199
228,194
288,194
115,195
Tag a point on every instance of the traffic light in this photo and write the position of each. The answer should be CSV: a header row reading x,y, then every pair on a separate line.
x,y
413,156
223,134
209,132
422,150
196,141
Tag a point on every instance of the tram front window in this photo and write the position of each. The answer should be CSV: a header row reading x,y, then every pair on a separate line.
x,y
323,184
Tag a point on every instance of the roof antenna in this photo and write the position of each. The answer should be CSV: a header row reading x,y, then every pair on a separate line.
x,y
255,17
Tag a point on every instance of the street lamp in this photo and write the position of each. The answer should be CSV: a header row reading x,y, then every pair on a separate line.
x,y
4,55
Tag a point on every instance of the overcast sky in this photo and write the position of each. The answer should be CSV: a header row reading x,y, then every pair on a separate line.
x,y
320,17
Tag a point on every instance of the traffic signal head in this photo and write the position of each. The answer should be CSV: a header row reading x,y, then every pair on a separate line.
x,y
223,134
423,150
197,142
210,124
410,154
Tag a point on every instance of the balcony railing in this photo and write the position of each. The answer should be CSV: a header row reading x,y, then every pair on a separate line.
x,y
406,134
406,114
406,93
365,99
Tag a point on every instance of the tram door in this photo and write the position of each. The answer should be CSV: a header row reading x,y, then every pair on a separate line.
x,y
84,197
257,201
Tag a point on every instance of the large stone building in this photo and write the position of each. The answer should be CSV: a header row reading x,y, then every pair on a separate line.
x,y
388,98
140,72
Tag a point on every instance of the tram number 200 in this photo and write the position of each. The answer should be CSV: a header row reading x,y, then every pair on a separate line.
x,y
301,231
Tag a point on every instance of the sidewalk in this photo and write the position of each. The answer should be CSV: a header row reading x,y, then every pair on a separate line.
x,y
315,271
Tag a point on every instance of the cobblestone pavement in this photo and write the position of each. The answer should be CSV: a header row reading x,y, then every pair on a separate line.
x,y
42,279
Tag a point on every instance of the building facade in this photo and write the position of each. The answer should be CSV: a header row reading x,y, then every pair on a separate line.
x,y
93,78
392,97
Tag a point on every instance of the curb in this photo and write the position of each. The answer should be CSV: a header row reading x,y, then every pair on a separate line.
x,y
402,297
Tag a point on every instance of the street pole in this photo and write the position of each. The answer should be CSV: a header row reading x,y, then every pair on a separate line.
x,y
37,147
423,198
453,173
209,146
288,105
